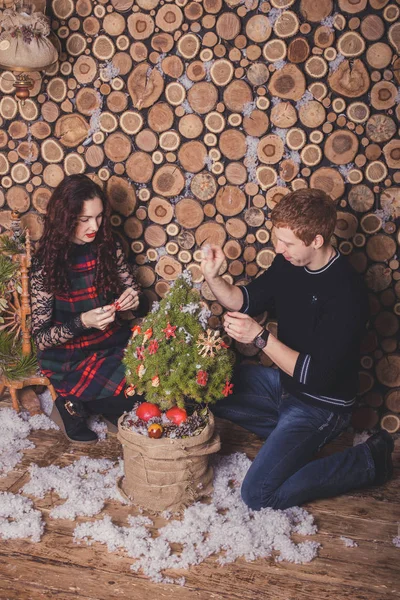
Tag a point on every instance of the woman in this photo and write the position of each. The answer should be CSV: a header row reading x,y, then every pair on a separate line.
x,y
80,284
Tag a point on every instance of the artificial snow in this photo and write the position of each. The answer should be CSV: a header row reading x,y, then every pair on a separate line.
x,y
273,15
158,63
396,541
329,21
386,214
294,156
14,431
251,160
186,82
226,528
85,485
207,65
279,64
248,108
280,132
344,170
334,64
108,70
186,107
348,542
19,518
98,426
305,99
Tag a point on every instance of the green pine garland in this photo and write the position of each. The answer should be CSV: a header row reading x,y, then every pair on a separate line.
x,y
11,245
13,364
153,356
8,270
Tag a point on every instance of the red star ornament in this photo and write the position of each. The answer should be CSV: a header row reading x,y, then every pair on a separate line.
x,y
169,331
228,389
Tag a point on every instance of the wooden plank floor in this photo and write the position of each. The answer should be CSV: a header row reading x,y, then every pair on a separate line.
x,y
57,568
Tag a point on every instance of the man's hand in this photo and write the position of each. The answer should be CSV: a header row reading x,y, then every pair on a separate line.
x,y
128,300
241,328
98,318
212,261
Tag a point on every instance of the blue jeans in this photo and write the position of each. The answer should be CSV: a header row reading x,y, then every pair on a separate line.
x,y
281,474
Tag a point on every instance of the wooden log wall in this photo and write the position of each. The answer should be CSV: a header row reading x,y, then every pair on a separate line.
x,y
199,116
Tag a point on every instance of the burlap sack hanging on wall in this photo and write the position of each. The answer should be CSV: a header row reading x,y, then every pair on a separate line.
x,y
24,43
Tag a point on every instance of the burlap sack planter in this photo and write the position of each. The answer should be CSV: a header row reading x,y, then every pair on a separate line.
x,y
167,474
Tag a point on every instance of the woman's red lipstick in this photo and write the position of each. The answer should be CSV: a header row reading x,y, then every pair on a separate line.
x,y
91,235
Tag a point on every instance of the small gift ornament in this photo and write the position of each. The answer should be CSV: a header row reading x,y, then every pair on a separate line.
x,y
130,391
147,334
141,370
153,347
202,377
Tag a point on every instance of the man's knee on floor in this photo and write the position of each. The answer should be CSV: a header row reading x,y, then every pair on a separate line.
x,y
255,499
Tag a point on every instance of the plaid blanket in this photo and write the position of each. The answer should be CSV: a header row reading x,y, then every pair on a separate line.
x,y
89,365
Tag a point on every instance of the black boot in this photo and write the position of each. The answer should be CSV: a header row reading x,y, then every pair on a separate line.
x,y
381,446
72,423
112,408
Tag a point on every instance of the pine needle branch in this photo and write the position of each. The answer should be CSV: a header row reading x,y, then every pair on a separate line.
x,y
13,364
8,270
10,245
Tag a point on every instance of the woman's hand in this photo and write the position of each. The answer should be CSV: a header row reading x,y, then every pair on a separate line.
x,y
128,300
98,318
241,327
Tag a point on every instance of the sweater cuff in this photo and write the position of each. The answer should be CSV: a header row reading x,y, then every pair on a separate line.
x,y
76,325
301,369
246,300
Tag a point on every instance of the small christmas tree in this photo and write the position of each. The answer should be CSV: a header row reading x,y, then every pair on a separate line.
x,y
173,358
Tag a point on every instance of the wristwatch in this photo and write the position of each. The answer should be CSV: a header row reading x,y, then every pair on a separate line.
x,y
260,341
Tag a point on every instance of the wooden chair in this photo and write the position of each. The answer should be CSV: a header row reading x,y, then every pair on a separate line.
x,y
18,322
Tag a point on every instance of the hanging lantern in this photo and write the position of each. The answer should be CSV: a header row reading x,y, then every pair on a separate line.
x,y
25,45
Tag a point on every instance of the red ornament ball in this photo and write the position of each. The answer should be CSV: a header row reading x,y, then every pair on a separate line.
x,y
155,431
176,415
147,411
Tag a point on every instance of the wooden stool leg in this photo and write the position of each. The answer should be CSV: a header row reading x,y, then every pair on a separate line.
x,y
2,388
14,398
52,392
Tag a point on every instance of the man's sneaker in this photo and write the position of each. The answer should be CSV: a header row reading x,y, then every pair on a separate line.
x,y
381,446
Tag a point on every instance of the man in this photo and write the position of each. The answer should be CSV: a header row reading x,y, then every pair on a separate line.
x,y
321,308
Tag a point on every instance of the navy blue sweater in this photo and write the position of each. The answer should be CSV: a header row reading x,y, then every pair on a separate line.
x,y
322,315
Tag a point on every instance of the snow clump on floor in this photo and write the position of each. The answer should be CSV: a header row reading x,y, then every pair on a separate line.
x,y
19,518
86,485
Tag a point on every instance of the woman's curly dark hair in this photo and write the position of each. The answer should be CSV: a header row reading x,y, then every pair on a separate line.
x,y
56,246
